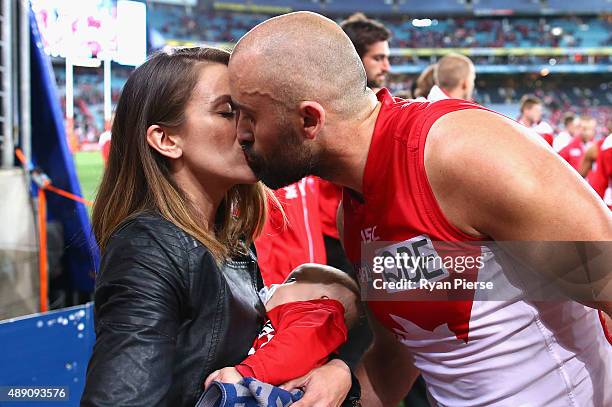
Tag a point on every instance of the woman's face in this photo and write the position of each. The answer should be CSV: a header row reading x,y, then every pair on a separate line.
x,y
210,150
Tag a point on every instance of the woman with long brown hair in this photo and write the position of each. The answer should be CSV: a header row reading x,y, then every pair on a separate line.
x,y
176,293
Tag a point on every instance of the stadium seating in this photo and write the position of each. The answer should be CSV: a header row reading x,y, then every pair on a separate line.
x,y
177,23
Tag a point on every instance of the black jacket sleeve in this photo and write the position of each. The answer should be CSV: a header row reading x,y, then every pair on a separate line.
x,y
137,314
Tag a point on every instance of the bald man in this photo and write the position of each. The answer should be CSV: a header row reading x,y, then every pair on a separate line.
x,y
414,173
454,77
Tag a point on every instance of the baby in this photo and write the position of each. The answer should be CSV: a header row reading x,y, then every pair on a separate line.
x,y
308,318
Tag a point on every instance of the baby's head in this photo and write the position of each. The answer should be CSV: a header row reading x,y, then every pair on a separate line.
x,y
332,283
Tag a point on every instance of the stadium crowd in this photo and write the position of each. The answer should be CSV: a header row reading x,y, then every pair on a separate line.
x,y
181,23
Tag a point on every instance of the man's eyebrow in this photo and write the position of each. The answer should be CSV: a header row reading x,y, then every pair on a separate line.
x,y
222,99
241,107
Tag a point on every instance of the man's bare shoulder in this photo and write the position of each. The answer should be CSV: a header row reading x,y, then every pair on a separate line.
x,y
477,134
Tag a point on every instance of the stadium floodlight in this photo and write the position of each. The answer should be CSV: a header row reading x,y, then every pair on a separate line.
x,y
131,32
421,22
556,31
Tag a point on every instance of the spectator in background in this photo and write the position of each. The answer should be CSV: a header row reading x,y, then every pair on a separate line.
x,y
571,127
531,117
588,167
601,176
574,152
454,76
424,82
371,40
104,144
105,140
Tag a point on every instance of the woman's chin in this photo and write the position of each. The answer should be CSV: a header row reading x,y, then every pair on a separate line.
x,y
246,176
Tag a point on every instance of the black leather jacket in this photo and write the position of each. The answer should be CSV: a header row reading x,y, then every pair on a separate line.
x,y
166,316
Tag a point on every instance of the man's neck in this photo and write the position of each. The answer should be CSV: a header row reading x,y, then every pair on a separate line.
x,y
349,148
454,93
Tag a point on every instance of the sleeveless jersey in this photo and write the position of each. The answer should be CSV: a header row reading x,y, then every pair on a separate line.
x,y
471,352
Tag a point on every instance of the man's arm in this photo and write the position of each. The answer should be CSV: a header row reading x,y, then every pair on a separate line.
x,y
491,179
590,155
386,372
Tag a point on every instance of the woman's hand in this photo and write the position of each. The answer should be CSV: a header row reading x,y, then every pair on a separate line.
x,y
325,386
225,375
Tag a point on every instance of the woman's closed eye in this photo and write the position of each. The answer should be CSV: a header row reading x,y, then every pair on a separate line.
x,y
227,110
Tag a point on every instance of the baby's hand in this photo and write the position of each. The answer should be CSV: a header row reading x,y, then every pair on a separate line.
x,y
225,375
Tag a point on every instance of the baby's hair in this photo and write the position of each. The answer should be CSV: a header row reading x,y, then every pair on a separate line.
x,y
320,274
323,275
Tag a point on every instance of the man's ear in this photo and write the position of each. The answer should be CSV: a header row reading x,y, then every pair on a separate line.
x,y
163,143
313,118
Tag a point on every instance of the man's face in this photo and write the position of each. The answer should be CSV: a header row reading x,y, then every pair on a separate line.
x,y
588,129
269,135
469,90
573,127
534,113
376,63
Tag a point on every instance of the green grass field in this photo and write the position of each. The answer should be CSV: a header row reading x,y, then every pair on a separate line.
x,y
89,166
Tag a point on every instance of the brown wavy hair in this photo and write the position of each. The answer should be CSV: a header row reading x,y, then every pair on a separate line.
x,y
137,178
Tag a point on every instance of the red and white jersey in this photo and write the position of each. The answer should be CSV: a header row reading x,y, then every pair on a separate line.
x,y
574,152
282,246
600,177
330,196
561,140
545,131
541,129
437,93
470,352
104,143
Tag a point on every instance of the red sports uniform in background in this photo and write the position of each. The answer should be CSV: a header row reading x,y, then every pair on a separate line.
x,y
600,177
330,196
574,152
282,245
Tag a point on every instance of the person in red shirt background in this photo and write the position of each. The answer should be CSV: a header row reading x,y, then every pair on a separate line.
x,y
293,238
330,196
587,167
601,176
573,153
571,128
531,117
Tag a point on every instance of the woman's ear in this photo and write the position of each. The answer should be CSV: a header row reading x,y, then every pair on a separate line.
x,y
163,143
313,118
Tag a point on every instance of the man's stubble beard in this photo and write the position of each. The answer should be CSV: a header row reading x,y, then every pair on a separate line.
x,y
376,83
288,162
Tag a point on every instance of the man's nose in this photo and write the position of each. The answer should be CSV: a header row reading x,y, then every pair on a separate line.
x,y
243,131
386,65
